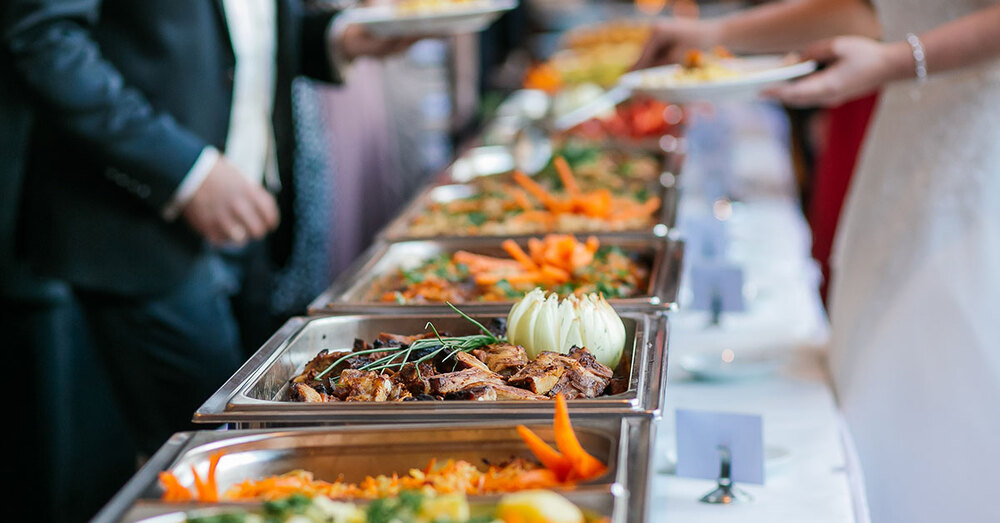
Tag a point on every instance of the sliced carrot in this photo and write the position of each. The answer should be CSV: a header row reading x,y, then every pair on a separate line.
x,y
582,256
555,274
550,202
173,490
522,199
512,278
587,466
537,250
203,487
548,456
593,244
515,251
213,485
566,175
596,204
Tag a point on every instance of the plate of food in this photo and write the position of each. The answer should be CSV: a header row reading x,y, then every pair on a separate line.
x,y
428,17
716,77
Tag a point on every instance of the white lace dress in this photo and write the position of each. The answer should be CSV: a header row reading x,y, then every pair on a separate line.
x,y
916,289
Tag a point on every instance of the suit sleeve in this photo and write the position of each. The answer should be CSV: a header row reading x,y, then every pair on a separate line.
x,y
53,51
317,60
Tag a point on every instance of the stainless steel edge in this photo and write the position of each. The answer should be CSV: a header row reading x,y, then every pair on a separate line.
x,y
345,295
397,229
343,282
246,399
626,438
141,483
218,402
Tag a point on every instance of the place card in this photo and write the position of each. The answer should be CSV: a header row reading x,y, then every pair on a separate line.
x,y
700,434
716,286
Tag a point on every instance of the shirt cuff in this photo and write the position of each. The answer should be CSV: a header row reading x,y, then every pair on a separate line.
x,y
338,61
191,182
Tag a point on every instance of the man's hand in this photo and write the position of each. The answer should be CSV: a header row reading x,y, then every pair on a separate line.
x,y
672,37
227,209
356,41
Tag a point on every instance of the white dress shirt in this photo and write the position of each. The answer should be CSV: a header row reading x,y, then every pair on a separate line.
x,y
250,144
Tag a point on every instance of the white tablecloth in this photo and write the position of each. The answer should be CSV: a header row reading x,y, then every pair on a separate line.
x,y
810,477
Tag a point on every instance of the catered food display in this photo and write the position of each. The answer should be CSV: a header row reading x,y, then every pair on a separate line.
x,y
408,507
598,54
564,466
552,347
561,263
584,189
634,120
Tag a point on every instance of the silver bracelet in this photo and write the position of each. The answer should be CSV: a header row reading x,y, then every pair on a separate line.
x,y
919,57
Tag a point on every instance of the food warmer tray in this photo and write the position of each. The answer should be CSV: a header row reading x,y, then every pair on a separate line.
x,y
453,183
348,293
255,396
398,229
622,443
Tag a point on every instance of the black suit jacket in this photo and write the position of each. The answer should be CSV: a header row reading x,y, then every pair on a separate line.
x,y
128,93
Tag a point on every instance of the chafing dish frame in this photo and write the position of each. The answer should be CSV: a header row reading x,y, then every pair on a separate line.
x,y
347,293
252,397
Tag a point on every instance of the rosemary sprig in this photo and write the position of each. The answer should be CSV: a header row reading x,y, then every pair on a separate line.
x,y
453,344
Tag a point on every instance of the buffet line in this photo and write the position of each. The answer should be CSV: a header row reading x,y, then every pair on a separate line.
x,y
499,354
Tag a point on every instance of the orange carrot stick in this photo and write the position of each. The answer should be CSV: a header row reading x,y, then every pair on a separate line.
x,y
555,274
515,251
173,490
547,455
566,175
587,466
539,192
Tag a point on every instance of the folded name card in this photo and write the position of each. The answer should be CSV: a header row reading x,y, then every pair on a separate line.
x,y
716,286
701,433
705,237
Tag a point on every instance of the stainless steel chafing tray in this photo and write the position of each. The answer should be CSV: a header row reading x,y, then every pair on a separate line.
x,y
349,292
399,228
355,452
256,395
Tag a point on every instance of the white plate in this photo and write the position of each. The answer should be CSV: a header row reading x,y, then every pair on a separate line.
x,y
462,18
757,73
732,365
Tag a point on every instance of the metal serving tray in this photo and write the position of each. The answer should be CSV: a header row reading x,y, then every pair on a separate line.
x,y
355,452
254,397
348,293
398,229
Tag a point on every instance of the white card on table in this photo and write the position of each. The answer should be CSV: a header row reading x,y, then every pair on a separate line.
x,y
700,434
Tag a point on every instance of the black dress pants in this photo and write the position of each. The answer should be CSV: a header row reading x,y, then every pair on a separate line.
x,y
166,354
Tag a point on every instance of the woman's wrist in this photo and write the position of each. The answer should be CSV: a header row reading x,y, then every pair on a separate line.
x,y
900,64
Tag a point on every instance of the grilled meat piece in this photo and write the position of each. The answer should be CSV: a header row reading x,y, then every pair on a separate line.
x,y
455,381
589,362
389,339
320,363
468,361
415,382
370,386
305,393
551,373
491,392
508,393
503,358
475,392
540,375
578,382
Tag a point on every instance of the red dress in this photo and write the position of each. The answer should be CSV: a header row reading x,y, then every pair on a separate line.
x,y
846,128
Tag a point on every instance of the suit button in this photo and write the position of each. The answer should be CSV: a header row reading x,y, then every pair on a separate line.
x,y
231,74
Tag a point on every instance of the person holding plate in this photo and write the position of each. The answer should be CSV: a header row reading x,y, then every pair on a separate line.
x,y
915,356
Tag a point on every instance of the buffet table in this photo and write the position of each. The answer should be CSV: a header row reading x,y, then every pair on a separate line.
x,y
808,473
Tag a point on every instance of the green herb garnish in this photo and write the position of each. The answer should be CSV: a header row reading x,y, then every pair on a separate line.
x,y
449,345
